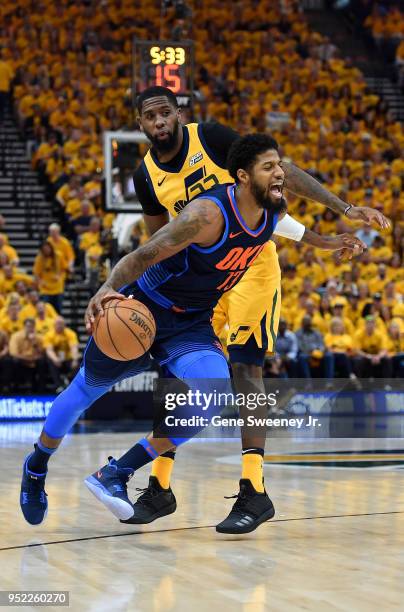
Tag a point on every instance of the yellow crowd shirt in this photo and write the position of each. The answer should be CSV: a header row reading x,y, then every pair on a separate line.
x,y
50,272
93,255
395,345
314,271
6,76
338,343
9,325
89,239
372,344
64,247
10,252
7,284
23,347
61,343
29,312
44,326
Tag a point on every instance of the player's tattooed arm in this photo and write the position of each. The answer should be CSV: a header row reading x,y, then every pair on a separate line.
x,y
304,185
201,222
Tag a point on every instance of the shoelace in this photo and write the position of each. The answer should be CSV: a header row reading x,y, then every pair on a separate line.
x,y
242,500
240,495
148,494
121,473
29,497
33,488
121,485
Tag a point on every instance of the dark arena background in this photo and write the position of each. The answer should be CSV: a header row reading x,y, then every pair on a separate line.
x,y
325,78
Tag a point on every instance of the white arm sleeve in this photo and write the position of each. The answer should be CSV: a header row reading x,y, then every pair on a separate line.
x,y
288,227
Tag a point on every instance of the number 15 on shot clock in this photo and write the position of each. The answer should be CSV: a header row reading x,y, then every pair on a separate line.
x,y
166,63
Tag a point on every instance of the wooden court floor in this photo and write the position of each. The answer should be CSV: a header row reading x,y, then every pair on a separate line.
x,y
335,544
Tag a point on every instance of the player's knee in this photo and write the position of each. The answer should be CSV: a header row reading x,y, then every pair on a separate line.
x,y
211,365
209,373
83,393
201,365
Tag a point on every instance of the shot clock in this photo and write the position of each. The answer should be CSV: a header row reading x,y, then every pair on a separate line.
x,y
166,63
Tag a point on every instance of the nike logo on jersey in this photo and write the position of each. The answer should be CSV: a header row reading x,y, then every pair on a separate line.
x,y
233,235
159,183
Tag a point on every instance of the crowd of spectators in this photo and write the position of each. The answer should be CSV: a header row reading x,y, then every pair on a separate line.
x,y
368,352
37,349
36,353
258,68
383,24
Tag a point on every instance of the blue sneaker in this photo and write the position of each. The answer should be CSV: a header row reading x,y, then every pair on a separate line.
x,y
108,484
33,502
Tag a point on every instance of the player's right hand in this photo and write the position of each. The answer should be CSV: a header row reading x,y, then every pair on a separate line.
x,y
95,305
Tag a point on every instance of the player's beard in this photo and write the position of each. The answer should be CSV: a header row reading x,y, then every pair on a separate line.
x,y
165,146
265,200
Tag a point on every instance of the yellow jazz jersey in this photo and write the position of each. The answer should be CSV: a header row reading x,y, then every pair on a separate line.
x,y
196,172
253,306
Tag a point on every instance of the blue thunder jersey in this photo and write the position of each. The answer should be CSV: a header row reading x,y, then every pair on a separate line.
x,y
196,277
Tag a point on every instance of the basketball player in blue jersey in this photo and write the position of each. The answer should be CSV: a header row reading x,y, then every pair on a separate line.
x,y
184,161
179,274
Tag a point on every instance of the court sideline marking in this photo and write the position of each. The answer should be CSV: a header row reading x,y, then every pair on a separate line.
x,y
132,533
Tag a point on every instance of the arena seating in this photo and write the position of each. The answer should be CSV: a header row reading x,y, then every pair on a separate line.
x,y
384,24
259,67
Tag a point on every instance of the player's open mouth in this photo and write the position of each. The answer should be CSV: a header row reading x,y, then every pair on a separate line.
x,y
162,135
276,189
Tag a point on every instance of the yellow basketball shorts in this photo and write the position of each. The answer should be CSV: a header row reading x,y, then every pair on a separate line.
x,y
246,318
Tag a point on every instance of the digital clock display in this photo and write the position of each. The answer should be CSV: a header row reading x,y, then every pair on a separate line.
x,y
168,55
165,63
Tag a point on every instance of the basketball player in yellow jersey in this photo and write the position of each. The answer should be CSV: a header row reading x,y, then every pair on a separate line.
x,y
185,161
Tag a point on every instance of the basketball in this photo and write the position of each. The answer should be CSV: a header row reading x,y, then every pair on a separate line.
x,y
125,331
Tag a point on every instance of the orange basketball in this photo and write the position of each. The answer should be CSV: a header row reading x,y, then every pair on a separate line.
x,y
125,331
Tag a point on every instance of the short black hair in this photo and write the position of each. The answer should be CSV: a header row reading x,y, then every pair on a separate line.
x,y
153,92
244,152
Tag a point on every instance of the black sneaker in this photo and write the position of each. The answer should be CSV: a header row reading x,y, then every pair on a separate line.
x,y
154,503
250,510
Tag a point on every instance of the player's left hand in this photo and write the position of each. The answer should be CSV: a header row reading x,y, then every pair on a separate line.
x,y
368,215
347,246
